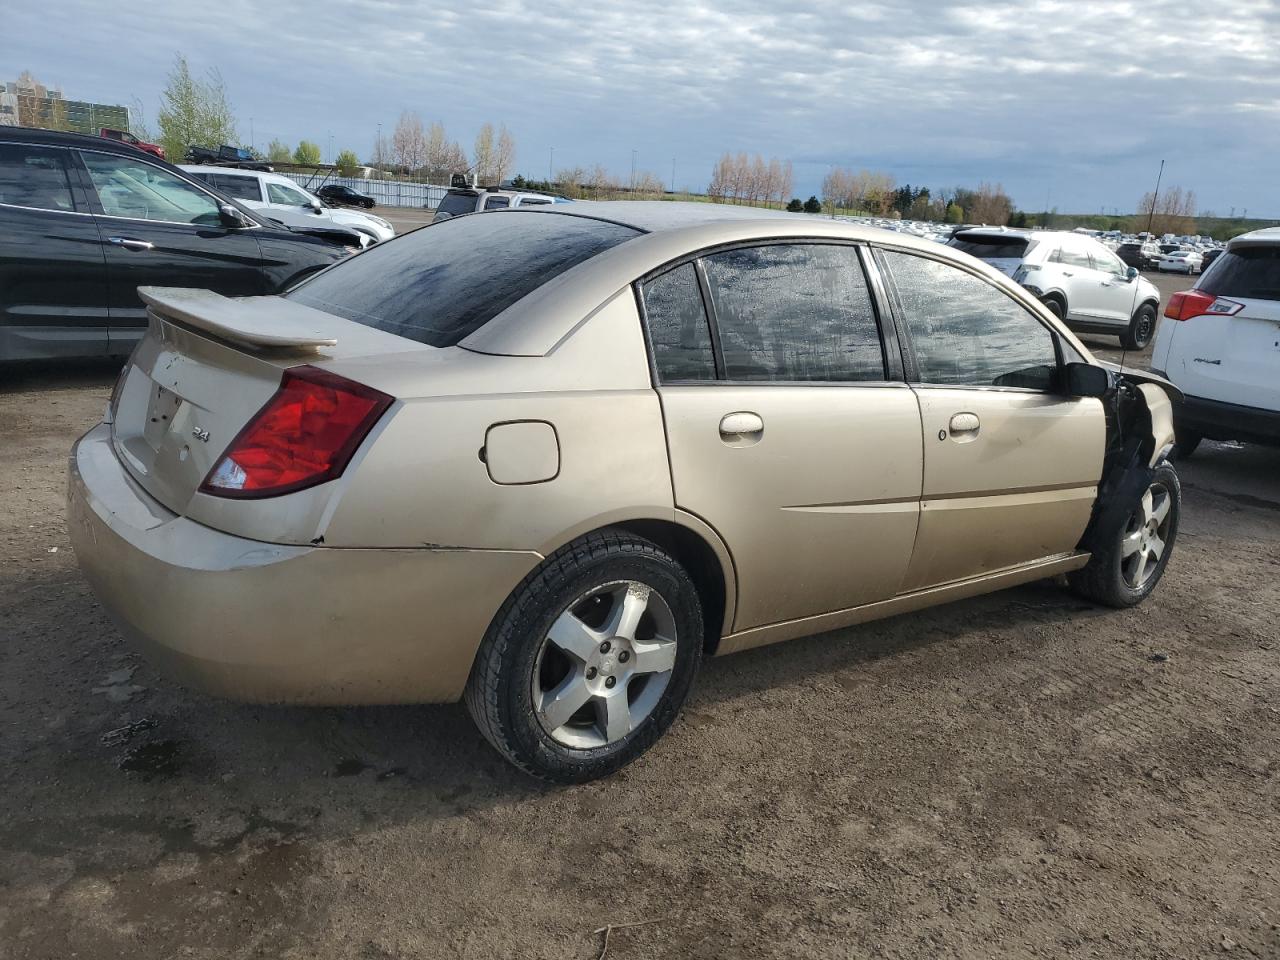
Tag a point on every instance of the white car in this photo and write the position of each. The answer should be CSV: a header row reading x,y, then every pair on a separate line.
x,y
281,199
1180,261
1075,276
1222,349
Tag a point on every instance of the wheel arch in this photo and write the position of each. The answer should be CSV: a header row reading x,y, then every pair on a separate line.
x,y
702,553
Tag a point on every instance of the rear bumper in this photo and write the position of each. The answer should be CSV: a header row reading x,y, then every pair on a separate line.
x,y
278,623
1227,421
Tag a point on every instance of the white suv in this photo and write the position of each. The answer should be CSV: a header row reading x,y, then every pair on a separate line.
x,y
1223,348
1075,276
281,199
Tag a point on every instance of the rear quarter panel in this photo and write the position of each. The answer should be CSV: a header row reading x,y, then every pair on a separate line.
x,y
424,481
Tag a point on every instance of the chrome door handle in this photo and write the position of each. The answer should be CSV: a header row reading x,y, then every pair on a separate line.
x,y
1067,273
742,428
130,244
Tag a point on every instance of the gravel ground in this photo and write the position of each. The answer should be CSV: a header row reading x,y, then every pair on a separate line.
x,y
1017,775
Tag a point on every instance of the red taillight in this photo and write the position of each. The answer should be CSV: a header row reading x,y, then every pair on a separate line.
x,y
1193,303
305,435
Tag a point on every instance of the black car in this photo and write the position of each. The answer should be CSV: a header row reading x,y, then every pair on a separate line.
x,y
1142,256
343,196
85,221
226,156
1209,256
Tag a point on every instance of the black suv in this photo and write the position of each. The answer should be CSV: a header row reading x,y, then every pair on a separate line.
x,y
85,221
1137,254
344,196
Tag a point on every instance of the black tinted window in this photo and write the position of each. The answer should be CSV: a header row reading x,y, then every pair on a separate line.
x,y
678,330
1251,273
795,312
992,247
439,284
242,188
34,177
495,203
457,203
966,331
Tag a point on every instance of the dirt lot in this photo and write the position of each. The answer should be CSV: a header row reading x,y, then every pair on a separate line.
x,y
1018,775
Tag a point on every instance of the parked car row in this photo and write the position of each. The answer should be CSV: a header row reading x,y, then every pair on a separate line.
x,y
281,199
85,221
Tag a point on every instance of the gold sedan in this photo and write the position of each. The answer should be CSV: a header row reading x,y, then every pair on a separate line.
x,y
546,460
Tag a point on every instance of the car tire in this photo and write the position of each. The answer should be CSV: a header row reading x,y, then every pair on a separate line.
x,y
1056,307
569,635
1120,573
1142,327
1184,444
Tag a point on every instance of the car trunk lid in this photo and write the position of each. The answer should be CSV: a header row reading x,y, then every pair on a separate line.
x,y
206,366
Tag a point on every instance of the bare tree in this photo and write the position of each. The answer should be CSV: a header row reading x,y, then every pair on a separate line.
x,y
1174,211
990,205
483,155
409,147
504,157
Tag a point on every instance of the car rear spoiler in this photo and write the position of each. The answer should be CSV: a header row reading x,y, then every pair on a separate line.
x,y
258,322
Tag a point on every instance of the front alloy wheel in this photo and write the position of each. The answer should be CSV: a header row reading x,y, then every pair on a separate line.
x,y
1146,536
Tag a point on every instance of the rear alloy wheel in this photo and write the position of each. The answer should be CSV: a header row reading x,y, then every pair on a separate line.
x,y
589,660
1134,554
1141,328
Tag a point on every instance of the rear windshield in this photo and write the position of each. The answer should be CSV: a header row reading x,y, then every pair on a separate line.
x,y
1251,273
993,247
441,283
456,203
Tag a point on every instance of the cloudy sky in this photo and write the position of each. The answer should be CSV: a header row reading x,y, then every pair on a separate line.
x,y
1071,103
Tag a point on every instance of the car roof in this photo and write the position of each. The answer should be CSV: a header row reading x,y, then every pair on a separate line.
x,y
1267,236
669,231
59,138
238,172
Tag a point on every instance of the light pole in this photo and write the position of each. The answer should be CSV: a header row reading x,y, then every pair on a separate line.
x,y
633,170
551,162
673,175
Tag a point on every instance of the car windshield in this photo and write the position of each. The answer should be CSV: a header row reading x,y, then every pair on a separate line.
x,y
1250,273
993,247
439,284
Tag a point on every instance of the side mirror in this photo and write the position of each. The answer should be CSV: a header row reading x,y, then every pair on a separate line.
x,y
1131,274
1085,380
232,217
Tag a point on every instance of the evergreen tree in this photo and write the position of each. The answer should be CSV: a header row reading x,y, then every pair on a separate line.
x,y
813,205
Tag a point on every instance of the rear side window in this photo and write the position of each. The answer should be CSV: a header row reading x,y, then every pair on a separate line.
x,y
242,188
678,330
441,283
496,203
1250,273
993,247
34,177
965,331
795,312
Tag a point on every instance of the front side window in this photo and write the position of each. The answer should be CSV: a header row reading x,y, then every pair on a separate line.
x,y
966,331
496,203
795,312
34,177
1072,256
439,284
1107,262
678,331
140,191
287,196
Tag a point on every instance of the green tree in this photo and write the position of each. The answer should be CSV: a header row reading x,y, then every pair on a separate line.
x,y
278,152
795,206
307,154
813,205
955,213
193,112
348,163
